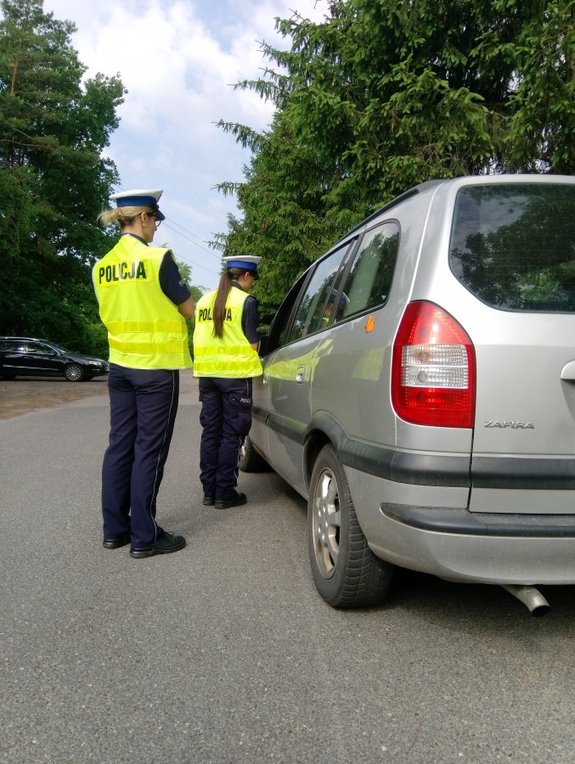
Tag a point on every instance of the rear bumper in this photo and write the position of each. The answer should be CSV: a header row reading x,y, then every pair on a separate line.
x,y
458,545
461,521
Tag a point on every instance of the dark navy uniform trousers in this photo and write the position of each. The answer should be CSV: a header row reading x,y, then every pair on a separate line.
x,y
143,407
226,418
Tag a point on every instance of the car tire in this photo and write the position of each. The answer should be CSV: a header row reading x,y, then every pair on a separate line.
x,y
74,372
346,572
250,460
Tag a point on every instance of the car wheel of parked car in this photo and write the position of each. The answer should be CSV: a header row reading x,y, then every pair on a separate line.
x,y
345,570
250,460
74,372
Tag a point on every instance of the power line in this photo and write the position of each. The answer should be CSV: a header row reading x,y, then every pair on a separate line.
x,y
188,259
168,223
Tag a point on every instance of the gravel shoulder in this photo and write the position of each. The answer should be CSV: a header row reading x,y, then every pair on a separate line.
x,y
21,396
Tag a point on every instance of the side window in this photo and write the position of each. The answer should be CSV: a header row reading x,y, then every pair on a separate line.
x,y
312,313
36,347
279,329
371,274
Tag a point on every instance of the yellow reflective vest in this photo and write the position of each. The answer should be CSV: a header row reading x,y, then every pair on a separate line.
x,y
145,328
228,356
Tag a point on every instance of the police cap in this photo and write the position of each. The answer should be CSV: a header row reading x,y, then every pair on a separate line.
x,y
140,198
244,262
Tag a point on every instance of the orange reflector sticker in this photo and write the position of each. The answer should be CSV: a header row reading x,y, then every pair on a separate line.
x,y
369,325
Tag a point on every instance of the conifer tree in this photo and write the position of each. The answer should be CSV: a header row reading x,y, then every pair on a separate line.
x,y
53,178
385,94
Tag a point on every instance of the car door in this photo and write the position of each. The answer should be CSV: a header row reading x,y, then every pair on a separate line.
x,y
288,370
21,358
40,358
513,248
11,352
270,342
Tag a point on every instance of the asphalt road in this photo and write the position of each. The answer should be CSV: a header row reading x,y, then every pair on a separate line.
x,y
224,652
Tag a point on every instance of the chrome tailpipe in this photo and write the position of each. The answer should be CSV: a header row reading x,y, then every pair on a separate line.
x,y
531,597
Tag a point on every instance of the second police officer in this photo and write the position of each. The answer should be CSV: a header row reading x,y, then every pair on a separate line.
x,y
226,341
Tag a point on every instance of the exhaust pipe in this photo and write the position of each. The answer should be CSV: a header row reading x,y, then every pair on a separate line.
x,y
531,597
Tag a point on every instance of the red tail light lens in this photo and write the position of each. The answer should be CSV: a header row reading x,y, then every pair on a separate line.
x,y
433,373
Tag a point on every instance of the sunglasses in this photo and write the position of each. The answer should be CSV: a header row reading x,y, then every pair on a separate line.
x,y
157,220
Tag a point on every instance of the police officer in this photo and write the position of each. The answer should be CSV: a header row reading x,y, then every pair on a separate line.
x,y
226,341
143,303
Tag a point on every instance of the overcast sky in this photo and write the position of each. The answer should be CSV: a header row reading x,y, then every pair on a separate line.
x,y
178,60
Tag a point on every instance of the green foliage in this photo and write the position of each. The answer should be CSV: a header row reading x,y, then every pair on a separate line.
x,y
542,125
53,180
196,292
385,94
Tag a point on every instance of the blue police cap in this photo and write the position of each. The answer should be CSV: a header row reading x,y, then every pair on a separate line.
x,y
140,198
343,299
245,262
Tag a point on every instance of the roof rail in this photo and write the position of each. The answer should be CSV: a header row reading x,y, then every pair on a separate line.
x,y
402,197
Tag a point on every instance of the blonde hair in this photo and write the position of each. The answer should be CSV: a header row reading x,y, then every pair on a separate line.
x,y
123,216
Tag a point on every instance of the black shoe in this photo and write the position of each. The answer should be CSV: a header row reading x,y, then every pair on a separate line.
x,y
169,542
236,501
208,501
117,542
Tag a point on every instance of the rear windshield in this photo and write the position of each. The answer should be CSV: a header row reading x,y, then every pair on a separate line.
x,y
513,246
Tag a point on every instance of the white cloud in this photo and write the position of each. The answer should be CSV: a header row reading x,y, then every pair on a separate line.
x,y
178,61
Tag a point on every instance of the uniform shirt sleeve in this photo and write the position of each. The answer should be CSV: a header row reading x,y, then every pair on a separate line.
x,y
171,282
250,320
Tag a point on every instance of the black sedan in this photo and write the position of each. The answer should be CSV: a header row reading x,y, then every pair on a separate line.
x,y
27,356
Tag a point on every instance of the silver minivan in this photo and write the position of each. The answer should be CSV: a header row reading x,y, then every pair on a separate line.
x,y
419,392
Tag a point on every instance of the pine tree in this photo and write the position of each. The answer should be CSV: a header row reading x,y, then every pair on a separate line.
x,y
385,94
53,178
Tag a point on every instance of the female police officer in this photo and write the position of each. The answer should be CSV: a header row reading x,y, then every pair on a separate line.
x,y
143,303
226,339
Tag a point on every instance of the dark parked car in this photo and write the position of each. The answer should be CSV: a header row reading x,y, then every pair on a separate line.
x,y
27,356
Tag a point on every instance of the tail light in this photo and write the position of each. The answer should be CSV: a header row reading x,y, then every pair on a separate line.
x,y
433,373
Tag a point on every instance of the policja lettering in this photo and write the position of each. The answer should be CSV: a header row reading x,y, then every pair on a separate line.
x,y
122,271
205,314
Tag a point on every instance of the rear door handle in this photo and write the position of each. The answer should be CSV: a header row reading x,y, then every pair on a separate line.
x,y
300,374
568,372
